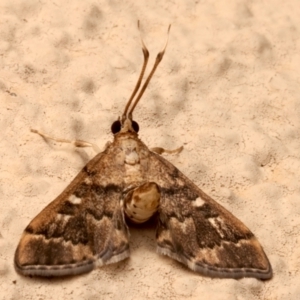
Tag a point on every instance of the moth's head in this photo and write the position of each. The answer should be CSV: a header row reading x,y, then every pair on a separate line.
x,y
126,123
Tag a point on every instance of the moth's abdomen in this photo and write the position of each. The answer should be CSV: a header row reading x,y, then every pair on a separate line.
x,y
142,202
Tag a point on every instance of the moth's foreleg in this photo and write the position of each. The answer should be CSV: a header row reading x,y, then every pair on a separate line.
x,y
160,150
76,143
141,203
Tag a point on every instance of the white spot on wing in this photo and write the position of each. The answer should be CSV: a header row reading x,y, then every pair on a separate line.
x,y
218,224
198,202
186,225
61,217
74,200
88,181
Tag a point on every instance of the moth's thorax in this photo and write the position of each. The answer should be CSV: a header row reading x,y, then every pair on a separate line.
x,y
132,154
141,199
129,154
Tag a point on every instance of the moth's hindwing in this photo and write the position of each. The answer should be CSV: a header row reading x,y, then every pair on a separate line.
x,y
81,228
198,232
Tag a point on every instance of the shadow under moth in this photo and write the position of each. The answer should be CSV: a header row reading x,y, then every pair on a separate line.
x,y
86,225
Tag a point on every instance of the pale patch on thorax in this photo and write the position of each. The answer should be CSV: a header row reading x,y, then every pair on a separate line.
x,y
131,157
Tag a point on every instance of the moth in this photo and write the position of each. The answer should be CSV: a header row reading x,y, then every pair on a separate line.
x,y
87,224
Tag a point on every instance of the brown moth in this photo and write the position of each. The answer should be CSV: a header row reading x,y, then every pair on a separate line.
x,y
85,226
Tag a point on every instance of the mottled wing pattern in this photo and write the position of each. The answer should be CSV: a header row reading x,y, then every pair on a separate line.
x,y
198,232
82,228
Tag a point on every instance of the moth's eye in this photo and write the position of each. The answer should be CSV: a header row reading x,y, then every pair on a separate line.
x,y
135,126
116,127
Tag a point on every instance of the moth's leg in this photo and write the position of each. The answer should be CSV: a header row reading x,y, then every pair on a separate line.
x,y
160,150
76,143
142,202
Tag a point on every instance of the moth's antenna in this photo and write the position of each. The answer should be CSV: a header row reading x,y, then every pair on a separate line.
x,y
158,59
146,57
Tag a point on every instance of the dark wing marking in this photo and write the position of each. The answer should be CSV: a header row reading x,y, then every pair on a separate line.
x,y
82,228
198,232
